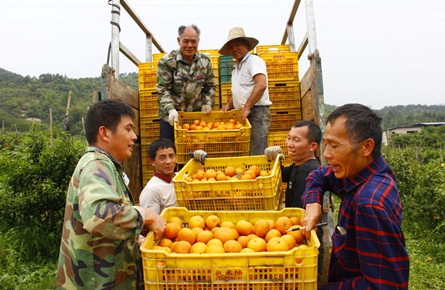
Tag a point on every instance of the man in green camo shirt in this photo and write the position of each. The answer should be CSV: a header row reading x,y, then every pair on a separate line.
x,y
102,226
185,81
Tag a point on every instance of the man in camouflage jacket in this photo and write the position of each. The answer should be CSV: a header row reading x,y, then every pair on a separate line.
x,y
102,227
185,81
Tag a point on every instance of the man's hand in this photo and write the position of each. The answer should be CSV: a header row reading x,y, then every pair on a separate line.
x,y
154,223
172,117
312,216
272,152
199,156
206,109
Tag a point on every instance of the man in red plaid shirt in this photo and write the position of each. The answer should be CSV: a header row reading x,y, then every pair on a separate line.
x,y
368,250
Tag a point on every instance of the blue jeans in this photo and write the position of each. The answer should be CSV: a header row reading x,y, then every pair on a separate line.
x,y
259,119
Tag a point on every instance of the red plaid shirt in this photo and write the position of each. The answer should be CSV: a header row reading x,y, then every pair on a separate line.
x,y
372,253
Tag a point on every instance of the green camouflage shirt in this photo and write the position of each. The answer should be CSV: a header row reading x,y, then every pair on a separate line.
x,y
182,86
101,227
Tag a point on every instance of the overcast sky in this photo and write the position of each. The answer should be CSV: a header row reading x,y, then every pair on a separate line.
x,y
378,53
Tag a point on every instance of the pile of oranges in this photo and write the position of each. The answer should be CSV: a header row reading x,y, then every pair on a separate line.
x,y
229,173
199,125
210,235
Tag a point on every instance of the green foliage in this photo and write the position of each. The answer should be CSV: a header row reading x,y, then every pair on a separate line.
x,y
34,176
26,97
17,273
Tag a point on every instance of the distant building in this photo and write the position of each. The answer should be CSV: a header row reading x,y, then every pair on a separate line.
x,y
417,127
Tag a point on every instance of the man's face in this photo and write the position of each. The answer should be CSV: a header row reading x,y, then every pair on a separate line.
x,y
298,146
122,141
188,42
238,49
165,161
339,151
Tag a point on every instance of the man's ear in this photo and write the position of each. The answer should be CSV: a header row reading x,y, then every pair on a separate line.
x,y
367,146
313,147
104,133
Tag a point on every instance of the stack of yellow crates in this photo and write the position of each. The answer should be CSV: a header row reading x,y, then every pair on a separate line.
x,y
284,92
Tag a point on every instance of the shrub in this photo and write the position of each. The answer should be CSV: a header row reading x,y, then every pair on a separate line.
x,y
34,177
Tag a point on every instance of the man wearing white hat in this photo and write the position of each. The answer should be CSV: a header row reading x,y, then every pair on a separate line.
x,y
249,87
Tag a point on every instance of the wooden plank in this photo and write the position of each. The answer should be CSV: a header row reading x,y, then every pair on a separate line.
x,y
115,89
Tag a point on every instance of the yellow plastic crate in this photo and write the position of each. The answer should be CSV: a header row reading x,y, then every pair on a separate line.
x,y
263,193
261,49
157,56
217,143
279,139
283,119
147,75
281,66
293,269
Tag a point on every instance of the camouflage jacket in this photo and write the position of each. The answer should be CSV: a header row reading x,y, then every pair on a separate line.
x,y
99,247
182,86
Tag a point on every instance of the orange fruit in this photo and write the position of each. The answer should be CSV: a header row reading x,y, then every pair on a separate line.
x,y
232,246
251,173
196,222
215,125
239,170
214,242
247,250
252,236
264,173
261,228
295,220
175,219
225,234
290,240
221,176
246,177
233,121
210,173
198,248
187,234
282,224
235,234
214,230
193,127
243,240
277,244
227,224
298,235
204,237
257,244
182,247
179,127
189,179
271,223
212,221
215,249
196,122
197,230
203,123
271,234
186,126
255,169
165,243
171,230
244,227
200,174
230,171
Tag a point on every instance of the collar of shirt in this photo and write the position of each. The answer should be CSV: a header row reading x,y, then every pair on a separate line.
x,y
117,163
163,177
239,64
375,166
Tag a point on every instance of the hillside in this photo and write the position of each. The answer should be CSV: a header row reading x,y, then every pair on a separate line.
x,y
27,97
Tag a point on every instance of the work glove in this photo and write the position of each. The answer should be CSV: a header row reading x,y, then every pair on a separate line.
x,y
272,152
206,109
199,156
172,117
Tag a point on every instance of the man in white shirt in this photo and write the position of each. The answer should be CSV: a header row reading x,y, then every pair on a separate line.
x,y
159,193
249,87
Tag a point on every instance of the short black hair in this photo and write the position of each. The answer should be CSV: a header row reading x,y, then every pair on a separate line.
x,y
161,143
108,113
194,26
313,131
361,123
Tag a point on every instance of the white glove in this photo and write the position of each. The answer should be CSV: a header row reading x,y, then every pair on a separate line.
x,y
206,109
199,156
272,152
172,117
